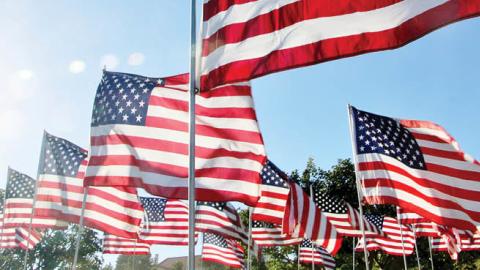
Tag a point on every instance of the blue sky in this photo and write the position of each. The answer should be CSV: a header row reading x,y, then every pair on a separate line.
x,y
52,53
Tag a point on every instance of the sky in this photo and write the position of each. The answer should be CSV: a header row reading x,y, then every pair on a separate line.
x,y
52,54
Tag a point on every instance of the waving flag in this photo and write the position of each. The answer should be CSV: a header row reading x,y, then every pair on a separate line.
x,y
17,237
139,138
418,166
223,251
274,195
165,223
269,235
243,40
118,245
310,253
114,210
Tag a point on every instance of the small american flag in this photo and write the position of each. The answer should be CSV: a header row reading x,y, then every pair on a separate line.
x,y
165,222
310,253
114,210
118,245
139,138
268,235
274,195
417,166
223,251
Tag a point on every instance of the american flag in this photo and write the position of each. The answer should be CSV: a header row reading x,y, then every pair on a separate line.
x,y
118,245
114,210
165,222
274,195
223,251
220,218
407,217
304,220
418,166
18,203
243,40
268,235
27,240
392,242
139,137
342,215
446,244
310,253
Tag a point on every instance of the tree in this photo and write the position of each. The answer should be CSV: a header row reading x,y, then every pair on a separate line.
x,y
126,262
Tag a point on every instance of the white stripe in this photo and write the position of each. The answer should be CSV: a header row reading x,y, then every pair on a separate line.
x,y
436,145
315,30
455,164
433,132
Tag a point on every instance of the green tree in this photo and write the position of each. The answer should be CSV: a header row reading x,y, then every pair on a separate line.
x,y
126,262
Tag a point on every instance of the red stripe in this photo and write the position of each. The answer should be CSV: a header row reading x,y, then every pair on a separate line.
x,y
213,7
442,153
336,48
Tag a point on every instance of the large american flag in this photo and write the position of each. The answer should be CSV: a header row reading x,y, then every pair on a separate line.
x,y
165,221
310,253
220,218
269,235
139,137
224,251
304,220
118,245
342,215
243,40
114,210
274,195
19,201
392,242
418,166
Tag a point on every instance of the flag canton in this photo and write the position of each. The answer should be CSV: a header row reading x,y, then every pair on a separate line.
x,y
155,208
261,224
214,239
122,99
1,205
61,157
306,243
271,176
19,185
217,205
385,135
376,220
328,204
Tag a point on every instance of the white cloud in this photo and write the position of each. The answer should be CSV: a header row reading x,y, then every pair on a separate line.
x,y
77,66
25,74
136,59
110,61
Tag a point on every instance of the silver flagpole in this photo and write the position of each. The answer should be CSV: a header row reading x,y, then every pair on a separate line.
x,y
4,201
249,256
42,158
430,247
191,148
353,256
298,257
416,247
357,181
134,258
401,237
313,264
80,228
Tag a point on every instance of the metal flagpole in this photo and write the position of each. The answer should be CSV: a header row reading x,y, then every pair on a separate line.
x,y
359,191
249,253
4,201
313,264
353,256
191,148
416,247
42,158
134,251
80,228
430,247
298,258
401,237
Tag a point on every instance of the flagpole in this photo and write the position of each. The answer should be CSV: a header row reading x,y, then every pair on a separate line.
x,y
430,247
191,130
313,264
4,202
353,251
416,247
80,228
249,257
41,159
401,237
134,251
357,182
298,257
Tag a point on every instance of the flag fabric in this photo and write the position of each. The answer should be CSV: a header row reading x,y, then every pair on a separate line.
x,y
17,237
418,166
266,234
310,253
220,218
139,138
243,40
273,195
223,251
392,242
407,217
26,240
444,244
342,215
165,222
19,201
114,210
118,245
304,220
